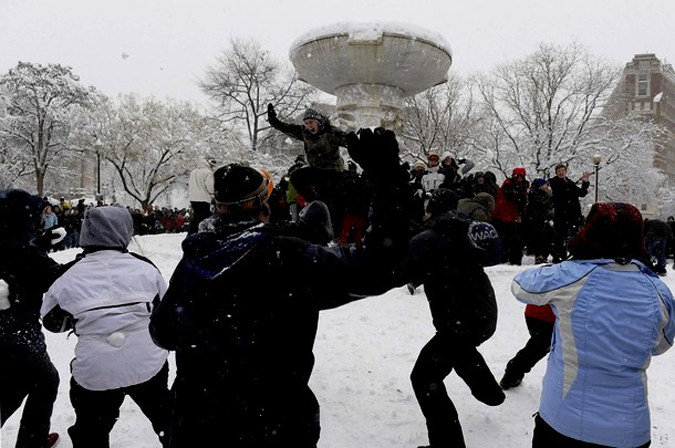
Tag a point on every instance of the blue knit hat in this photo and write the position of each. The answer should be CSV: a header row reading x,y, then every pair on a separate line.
x,y
539,182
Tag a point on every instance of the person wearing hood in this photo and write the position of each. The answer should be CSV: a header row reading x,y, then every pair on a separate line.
x,y
242,331
448,257
200,192
612,314
508,214
26,272
478,208
106,296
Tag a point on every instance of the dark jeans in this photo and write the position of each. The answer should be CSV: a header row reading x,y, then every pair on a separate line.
x,y
200,211
563,230
96,411
511,234
657,248
435,362
546,437
535,349
33,375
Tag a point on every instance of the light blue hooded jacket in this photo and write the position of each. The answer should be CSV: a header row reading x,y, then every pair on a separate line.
x,y
611,319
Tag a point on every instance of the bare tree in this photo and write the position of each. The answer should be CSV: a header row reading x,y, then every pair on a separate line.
x,y
151,145
38,101
442,118
243,80
545,105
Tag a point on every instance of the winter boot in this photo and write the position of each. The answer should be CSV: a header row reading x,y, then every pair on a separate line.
x,y
52,439
511,379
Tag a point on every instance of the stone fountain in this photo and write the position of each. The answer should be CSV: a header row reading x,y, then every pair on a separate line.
x,y
371,68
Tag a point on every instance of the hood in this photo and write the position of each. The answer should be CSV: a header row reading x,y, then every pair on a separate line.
x,y
109,226
222,241
520,171
446,155
486,200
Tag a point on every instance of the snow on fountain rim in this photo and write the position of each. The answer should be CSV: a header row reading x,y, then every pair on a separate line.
x,y
371,31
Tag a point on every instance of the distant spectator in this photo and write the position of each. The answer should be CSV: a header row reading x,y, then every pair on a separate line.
x,y
538,222
49,218
508,215
657,235
567,218
478,208
200,191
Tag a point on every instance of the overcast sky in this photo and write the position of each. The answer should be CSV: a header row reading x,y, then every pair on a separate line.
x,y
160,47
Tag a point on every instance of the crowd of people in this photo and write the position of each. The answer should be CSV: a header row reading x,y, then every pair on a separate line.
x,y
244,358
151,221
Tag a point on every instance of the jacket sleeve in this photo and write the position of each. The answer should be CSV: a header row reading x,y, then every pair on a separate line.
x,y
542,285
164,318
292,130
666,325
583,190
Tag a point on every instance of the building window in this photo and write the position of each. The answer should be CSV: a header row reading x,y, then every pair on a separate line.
x,y
644,66
642,84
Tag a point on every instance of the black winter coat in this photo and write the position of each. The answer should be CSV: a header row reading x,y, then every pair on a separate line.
x,y
566,196
460,294
29,272
241,312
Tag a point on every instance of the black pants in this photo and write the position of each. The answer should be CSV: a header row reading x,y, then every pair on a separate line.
x,y
436,360
200,211
535,349
512,241
33,375
96,411
564,229
546,437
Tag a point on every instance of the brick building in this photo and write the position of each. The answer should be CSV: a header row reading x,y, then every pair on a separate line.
x,y
648,88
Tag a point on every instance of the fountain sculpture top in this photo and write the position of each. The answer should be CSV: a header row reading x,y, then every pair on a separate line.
x,y
371,67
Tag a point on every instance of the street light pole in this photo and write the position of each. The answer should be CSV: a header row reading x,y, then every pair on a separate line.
x,y
98,145
596,162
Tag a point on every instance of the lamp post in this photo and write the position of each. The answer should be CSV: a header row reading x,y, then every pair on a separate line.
x,y
98,145
596,163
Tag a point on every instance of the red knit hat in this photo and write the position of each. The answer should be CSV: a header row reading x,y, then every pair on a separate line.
x,y
612,230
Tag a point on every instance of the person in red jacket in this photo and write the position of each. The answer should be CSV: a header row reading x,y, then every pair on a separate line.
x,y
540,321
508,213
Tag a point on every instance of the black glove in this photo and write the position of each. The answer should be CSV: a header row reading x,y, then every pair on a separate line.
x,y
271,113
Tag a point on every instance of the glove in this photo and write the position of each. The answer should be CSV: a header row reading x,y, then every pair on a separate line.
x,y
271,113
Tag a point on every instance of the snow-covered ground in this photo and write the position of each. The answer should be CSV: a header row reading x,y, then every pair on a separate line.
x,y
364,354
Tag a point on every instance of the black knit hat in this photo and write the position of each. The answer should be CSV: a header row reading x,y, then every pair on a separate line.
x,y
20,217
239,185
441,201
313,114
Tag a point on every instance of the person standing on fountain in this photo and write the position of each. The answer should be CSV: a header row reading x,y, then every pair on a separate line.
x,y
322,146
322,140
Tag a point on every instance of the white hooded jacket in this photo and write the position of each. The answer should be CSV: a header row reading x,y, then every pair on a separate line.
x,y
110,294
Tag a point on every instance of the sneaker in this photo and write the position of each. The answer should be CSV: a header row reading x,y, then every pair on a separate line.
x,y
510,380
52,439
